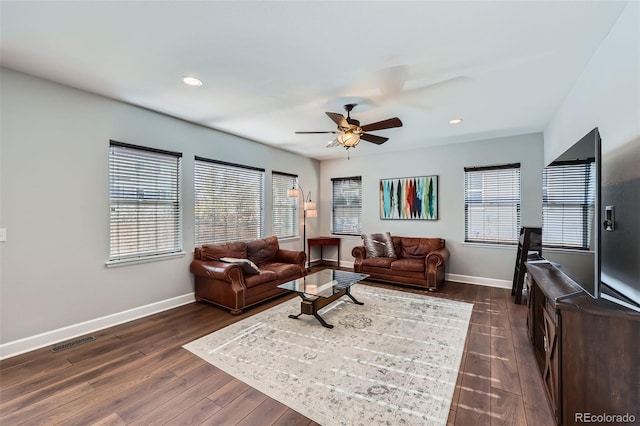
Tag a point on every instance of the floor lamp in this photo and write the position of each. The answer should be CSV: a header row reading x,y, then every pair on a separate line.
x,y
309,210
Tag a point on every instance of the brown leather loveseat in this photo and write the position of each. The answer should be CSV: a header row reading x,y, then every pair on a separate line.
x,y
234,282
418,262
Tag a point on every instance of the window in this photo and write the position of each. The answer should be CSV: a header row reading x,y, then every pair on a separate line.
x,y
346,206
568,198
229,203
492,204
284,210
144,199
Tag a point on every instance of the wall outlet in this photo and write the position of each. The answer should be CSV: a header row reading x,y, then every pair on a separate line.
x,y
3,235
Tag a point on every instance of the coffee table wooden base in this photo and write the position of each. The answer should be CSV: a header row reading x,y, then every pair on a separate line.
x,y
311,305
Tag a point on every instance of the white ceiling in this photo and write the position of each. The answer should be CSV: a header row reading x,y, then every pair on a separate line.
x,y
273,68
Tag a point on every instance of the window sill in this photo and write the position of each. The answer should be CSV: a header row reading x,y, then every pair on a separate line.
x,y
139,260
296,238
351,236
489,245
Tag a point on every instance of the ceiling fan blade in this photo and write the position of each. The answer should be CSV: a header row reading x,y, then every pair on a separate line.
x,y
313,133
438,85
392,80
384,124
378,140
338,119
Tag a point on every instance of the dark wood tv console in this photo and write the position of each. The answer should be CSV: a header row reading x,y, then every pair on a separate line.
x,y
588,350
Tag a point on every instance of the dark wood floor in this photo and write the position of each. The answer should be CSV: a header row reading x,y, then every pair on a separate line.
x,y
138,373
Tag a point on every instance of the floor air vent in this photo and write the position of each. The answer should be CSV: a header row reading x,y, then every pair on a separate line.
x,y
73,343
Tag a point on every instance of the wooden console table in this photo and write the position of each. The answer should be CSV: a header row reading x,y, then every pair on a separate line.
x,y
323,241
587,349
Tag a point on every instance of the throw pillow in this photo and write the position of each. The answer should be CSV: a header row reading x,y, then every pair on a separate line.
x,y
378,245
248,267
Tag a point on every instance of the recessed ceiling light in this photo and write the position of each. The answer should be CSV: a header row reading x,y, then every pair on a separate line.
x,y
192,81
455,121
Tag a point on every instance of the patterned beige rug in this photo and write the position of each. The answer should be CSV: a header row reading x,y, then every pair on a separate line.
x,y
392,361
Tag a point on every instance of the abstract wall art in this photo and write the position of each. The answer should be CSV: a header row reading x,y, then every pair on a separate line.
x,y
409,198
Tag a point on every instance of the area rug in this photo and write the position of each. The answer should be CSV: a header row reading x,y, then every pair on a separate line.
x,y
392,361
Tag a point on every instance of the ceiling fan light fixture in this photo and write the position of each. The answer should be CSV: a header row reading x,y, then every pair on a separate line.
x,y
191,81
349,139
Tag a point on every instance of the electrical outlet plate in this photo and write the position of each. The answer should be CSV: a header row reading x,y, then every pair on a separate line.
x,y
3,235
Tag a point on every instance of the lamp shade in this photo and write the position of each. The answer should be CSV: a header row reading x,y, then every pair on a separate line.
x,y
292,193
312,213
310,205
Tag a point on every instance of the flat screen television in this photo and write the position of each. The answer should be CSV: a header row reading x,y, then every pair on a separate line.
x,y
615,262
583,266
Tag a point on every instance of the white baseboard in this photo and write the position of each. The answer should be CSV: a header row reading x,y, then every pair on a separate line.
x,y
346,264
489,282
38,341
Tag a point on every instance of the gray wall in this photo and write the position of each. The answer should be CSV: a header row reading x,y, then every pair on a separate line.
x,y
55,203
479,263
607,96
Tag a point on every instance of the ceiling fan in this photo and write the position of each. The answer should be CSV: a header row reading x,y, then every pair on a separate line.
x,y
350,132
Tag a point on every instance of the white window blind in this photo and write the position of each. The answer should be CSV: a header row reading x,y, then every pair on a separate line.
x,y
568,199
346,206
144,198
492,204
284,210
229,201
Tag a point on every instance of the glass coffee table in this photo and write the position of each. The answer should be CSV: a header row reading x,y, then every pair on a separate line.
x,y
321,288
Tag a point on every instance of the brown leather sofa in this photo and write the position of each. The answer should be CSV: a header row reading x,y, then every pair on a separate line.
x,y
227,284
420,262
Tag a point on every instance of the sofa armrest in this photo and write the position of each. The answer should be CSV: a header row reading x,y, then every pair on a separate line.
x,y
438,257
359,252
220,283
214,269
435,267
291,256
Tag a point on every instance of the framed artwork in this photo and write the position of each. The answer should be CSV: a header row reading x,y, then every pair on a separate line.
x,y
409,198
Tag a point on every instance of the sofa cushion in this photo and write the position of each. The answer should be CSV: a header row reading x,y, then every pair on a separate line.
x,y
282,270
378,245
378,262
262,277
216,251
262,251
412,265
417,248
248,267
